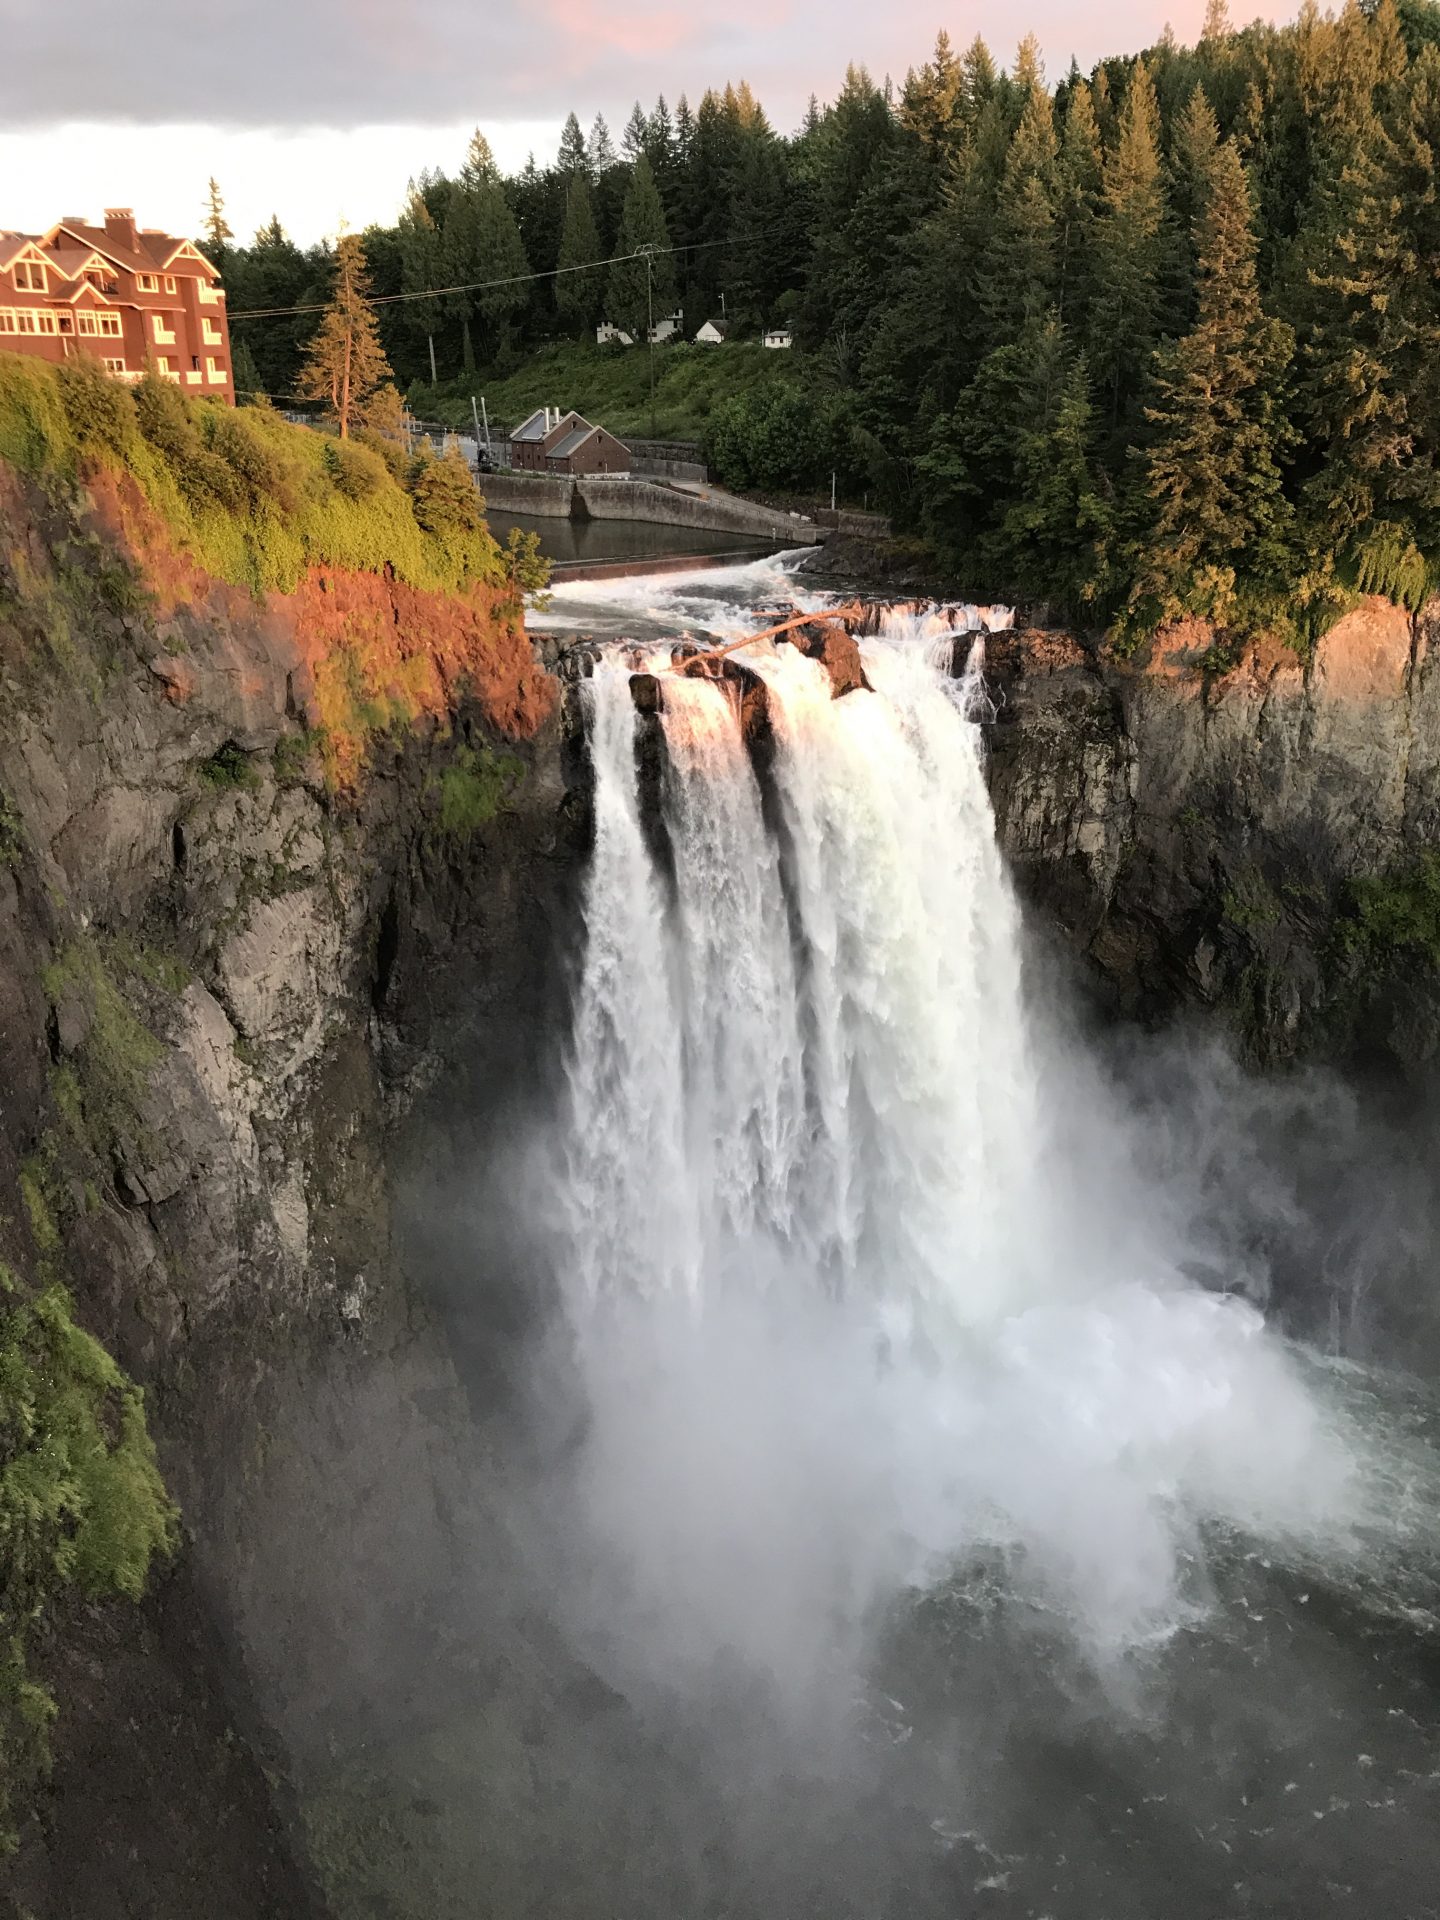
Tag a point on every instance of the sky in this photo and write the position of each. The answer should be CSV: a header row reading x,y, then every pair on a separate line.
x,y
321,110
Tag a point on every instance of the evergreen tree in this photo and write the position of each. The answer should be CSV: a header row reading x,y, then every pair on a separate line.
x,y
1218,517
632,141
572,157
483,255
345,363
1365,353
602,148
1081,171
217,230
247,374
1014,492
933,100
635,289
1130,252
684,131
578,294
421,269
611,180
1192,165
1019,280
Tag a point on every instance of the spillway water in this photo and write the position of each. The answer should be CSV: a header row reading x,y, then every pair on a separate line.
x,y
878,1305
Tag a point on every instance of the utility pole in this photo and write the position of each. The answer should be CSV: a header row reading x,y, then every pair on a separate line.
x,y
649,253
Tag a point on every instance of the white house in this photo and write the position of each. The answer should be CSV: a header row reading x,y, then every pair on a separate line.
x,y
713,333
666,329
605,333
777,337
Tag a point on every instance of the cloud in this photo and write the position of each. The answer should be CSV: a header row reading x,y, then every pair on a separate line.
x,y
348,63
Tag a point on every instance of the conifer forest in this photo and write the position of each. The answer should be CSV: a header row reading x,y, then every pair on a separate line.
x,y
1159,339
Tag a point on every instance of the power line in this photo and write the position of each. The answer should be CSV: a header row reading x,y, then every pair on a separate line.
x,y
512,280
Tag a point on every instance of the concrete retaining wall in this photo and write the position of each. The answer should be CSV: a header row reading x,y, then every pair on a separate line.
x,y
715,512
654,467
536,493
597,499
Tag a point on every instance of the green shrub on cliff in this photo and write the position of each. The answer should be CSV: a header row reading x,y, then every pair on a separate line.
x,y
82,1505
1396,913
475,788
255,500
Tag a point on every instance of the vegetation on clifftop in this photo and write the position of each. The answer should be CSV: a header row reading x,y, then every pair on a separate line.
x,y
253,499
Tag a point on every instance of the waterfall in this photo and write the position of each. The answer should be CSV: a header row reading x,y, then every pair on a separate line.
x,y
823,1246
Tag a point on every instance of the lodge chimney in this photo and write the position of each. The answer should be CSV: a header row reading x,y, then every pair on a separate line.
x,y
120,225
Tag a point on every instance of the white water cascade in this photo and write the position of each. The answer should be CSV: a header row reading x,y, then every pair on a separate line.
x,y
839,1277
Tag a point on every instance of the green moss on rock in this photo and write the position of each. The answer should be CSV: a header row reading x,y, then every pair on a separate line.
x,y
83,1507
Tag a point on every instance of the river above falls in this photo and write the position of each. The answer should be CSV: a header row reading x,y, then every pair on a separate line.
x,y
593,542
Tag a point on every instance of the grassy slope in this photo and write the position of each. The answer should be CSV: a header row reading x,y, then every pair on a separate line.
x,y
254,500
611,385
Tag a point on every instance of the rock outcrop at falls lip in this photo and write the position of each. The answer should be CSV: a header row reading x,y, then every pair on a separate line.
x,y
1254,836
837,650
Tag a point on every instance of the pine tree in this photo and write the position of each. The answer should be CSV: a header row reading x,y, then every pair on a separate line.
x,y
345,363
1218,516
635,290
1365,352
684,131
932,103
421,269
632,140
1014,493
1217,21
578,294
1019,280
1081,171
247,374
483,256
602,148
1192,165
1129,250
217,230
572,157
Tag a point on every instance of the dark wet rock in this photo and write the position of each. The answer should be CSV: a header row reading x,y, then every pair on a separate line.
x,y
645,692
837,651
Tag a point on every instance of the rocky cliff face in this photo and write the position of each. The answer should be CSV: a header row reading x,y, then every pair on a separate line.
x,y
1251,836
228,967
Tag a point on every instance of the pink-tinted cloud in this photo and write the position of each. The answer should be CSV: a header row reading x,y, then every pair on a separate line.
x,y
345,63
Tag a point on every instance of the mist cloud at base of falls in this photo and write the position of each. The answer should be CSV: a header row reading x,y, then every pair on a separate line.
x,y
867,1275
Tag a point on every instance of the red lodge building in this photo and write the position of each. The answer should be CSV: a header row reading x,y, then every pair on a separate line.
x,y
133,297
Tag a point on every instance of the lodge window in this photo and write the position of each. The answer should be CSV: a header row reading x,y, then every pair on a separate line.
x,y
27,320
30,278
212,372
115,366
103,282
170,283
108,325
147,283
